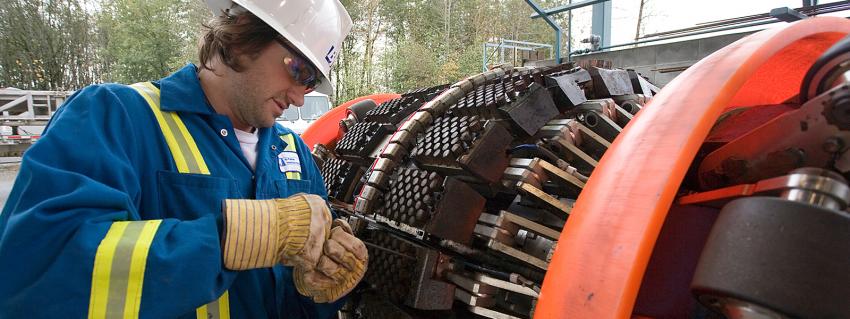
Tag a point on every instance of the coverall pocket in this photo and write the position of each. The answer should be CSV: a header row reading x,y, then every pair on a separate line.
x,y
289,187
191,196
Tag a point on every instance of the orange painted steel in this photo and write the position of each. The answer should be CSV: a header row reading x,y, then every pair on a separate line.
x,y
608,240
723,194
325,130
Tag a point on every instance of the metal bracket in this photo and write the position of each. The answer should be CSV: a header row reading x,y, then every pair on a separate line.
x,y
815,143
787,14
500,232
428,293
548,201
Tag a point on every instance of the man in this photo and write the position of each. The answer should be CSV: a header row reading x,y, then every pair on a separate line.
x,y
183,197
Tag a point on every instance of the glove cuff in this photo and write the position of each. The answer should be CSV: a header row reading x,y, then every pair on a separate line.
x,y
293,224
251,235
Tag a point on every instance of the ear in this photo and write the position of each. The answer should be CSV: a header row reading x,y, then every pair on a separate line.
x,y
216,67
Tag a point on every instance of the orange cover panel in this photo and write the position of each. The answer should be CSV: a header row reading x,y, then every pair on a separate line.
x,y
607,242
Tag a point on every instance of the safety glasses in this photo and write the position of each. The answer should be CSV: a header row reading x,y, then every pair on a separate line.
x,y
299,68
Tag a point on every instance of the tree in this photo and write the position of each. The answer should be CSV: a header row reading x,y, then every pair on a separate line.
x,y
146,40
645,13
394,45
45,45
413,65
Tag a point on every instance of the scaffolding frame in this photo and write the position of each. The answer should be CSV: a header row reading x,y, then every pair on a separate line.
x,y
499,46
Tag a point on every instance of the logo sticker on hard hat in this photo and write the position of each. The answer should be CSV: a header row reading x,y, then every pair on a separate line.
x,y
330,56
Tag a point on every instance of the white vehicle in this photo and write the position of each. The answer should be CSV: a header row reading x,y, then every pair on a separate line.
x,y
299,118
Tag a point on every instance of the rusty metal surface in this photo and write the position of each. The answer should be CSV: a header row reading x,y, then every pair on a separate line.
x,y
597,115
640,85
487,158
532,111
570,83
428,293
456,214
548,201
607,83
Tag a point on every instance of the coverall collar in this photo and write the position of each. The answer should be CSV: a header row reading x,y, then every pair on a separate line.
x,y
181,92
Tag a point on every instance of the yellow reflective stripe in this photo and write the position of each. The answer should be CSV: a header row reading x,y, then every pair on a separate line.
x,y
212,310
137,268
193,147
224,305
102,269
186,145
183,148
290,142
218,309
119,269
171,119
120,273
290,147
170,139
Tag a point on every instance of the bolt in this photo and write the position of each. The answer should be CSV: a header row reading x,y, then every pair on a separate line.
x,y
833,145
837,110
841,108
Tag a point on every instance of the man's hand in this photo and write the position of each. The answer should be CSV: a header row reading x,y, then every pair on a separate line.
x,y
341,266
263,233
297,249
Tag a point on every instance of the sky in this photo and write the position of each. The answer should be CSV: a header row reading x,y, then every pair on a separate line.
x,y
675,14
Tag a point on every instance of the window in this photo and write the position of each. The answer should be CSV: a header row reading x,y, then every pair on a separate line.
x,y
290,114
314,107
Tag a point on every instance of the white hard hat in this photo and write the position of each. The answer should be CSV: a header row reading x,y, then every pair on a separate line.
x,y
315,27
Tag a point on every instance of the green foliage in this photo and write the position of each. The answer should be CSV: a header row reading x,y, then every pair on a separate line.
x,y
469,59
44,45
430,42
413,65
145,40
394,45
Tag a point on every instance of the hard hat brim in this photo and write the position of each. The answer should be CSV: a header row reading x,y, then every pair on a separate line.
x,y
315,28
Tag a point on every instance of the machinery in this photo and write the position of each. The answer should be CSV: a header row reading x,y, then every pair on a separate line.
x,y
582,192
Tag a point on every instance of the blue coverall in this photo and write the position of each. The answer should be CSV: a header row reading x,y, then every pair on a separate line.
x,y
103,159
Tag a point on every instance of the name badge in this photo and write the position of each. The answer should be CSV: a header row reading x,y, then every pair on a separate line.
x,y
288,162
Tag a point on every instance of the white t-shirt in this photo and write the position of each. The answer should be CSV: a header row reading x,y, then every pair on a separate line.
x,y
248,143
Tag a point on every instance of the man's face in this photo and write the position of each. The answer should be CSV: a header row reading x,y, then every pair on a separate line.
x,y
264,88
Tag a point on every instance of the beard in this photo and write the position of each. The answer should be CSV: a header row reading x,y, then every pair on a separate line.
x,y
249,105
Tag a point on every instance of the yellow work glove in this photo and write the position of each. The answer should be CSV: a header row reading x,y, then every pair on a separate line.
x,y
263,233
341,266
